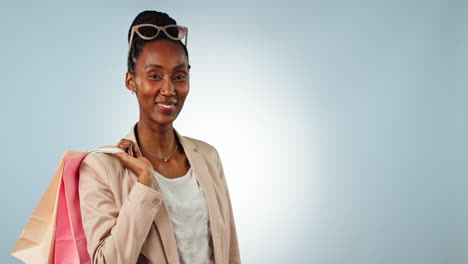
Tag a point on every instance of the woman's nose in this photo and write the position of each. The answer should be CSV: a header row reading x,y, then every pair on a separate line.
x,y
167,88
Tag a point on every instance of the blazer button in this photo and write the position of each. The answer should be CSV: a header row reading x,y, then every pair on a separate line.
x,y
155,201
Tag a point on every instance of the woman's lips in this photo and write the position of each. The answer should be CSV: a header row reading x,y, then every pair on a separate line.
x,y
165,107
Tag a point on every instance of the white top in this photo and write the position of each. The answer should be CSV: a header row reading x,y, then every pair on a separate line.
x,y
188,211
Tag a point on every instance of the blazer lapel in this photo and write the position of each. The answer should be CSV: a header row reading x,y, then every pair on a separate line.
x,y
162,219
199,166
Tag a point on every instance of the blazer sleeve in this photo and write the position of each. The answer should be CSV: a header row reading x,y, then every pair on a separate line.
x,y
234,254
114,235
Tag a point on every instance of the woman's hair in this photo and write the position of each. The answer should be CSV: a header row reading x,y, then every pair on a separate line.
x,y
148,17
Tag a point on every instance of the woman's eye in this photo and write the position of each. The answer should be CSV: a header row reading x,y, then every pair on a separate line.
x,y
180,77
155,76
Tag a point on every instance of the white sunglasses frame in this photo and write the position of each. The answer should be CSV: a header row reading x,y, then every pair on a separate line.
x,y
159,28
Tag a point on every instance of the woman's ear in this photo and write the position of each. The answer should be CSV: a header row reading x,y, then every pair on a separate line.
x,y
130,81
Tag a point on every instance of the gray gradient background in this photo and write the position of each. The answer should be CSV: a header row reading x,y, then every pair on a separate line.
x,y
342,125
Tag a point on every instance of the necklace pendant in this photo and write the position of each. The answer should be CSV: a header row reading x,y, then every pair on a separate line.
x,y
165,160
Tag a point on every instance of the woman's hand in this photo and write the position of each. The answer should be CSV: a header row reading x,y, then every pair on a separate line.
x,y
135,162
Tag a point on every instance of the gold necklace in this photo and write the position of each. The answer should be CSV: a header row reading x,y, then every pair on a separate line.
x,y
164,159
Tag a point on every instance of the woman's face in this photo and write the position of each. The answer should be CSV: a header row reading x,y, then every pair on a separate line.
x,y
161,76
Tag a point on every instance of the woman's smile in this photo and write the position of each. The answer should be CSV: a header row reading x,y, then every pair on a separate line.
x,y
165,107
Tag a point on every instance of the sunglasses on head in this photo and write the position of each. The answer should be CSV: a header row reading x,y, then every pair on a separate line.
x,y
150,31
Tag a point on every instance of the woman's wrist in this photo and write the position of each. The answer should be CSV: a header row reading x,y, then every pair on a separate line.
x,y
146,178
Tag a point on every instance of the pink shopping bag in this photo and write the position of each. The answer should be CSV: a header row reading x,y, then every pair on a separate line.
x,y
54,232
70,240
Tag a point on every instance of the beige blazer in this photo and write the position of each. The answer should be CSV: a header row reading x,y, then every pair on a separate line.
x,y
127,222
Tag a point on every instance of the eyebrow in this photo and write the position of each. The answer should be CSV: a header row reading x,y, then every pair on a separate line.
x,y
161,67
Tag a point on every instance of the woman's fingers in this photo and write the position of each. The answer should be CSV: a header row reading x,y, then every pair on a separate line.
x,y
137,153
124,158
121,157
128,146
139,166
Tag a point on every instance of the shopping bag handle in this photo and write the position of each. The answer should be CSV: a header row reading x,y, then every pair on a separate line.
x,y
110,150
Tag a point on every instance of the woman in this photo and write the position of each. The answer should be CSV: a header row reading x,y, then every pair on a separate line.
x,y
164,199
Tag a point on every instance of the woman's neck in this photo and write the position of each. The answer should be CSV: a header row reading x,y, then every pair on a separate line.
x,y
155,138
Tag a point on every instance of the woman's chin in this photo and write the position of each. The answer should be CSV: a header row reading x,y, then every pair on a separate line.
x,y
164,119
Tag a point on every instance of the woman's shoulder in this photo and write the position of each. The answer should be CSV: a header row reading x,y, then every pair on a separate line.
x,y
105,160
201,145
